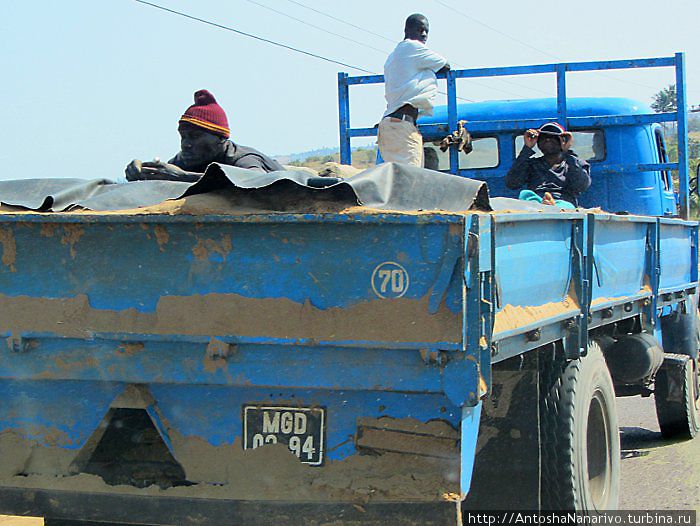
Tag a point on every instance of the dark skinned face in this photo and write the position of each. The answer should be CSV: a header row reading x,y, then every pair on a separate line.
x,y
549,145
198,145
417,30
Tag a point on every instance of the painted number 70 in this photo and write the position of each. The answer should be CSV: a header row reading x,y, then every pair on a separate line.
x,y
393,277
390,280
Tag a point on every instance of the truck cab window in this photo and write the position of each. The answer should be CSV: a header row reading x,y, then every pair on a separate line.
x,y
588,145
663,156
484,155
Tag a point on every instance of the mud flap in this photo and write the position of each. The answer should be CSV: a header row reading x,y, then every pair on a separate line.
x,y
507,467
680,329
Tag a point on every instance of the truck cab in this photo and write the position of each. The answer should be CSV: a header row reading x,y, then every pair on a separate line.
x,y
607,148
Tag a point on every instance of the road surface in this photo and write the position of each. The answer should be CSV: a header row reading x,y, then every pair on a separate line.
x,y
657,474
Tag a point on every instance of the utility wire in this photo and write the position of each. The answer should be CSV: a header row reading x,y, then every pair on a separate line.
x,y
342,21
476,21
327,15
383,51
522,42
261,39
227,28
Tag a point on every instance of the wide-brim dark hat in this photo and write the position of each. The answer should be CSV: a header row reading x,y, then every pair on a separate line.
x,y
552,128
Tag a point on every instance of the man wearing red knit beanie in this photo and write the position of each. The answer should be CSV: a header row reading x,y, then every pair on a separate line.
x,y
204,139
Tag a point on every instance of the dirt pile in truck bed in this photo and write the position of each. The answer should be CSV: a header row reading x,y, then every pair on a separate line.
x,y
267,473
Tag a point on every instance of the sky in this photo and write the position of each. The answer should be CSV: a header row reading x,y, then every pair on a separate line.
x,y
88,85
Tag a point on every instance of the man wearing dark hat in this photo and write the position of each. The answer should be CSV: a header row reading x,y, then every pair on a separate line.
x,y
558,177
204,139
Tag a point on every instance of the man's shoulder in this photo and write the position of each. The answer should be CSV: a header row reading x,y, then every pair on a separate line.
x,y
412,45
409,47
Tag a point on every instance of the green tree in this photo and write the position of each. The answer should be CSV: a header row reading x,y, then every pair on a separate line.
x,y
665,100
693,123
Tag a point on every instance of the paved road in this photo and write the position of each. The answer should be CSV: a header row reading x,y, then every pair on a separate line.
x,y
656,473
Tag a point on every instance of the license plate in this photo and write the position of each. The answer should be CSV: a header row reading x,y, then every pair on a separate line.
x,y
301,429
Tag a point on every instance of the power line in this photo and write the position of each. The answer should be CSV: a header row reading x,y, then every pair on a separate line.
x,y
249,35
476,21
522,42
327,15
383,51
227,28
342,21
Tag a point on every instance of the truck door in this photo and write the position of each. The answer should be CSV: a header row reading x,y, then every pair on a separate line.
x,y
669,198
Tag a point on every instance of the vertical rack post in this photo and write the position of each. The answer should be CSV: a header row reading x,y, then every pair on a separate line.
x,y
452,117
344,118
682,130
561,95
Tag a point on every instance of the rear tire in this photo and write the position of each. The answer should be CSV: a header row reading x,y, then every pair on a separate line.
x,y
580,437
677,397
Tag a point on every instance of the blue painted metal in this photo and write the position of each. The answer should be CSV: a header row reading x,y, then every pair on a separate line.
x,y
471,417
463,268
619,254
344,117
562,113
675,256
571,66
516,242
682,112
118,265
694,253
207,268
541,108
452,118
631,150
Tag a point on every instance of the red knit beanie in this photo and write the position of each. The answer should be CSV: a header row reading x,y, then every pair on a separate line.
x,y
207,114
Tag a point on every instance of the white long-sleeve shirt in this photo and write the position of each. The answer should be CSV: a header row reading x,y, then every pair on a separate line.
x,y
409,77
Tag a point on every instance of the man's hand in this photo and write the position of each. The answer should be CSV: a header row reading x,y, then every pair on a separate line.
x,y
133,170
567,140
158,170
547,199
530,138
163,171
443,69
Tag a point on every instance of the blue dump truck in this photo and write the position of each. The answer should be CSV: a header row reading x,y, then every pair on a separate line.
x,y
397,348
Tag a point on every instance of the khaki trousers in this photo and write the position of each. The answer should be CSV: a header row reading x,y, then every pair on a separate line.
x,y
400,142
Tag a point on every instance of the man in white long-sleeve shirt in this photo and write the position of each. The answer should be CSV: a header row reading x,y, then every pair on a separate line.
x,y
410,88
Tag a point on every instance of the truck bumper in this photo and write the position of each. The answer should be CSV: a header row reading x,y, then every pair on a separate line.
x,y
182,511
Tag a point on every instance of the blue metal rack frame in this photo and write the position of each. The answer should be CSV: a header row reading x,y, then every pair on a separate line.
x,y
561,69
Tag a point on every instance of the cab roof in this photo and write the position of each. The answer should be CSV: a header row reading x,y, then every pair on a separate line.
x,y
544,108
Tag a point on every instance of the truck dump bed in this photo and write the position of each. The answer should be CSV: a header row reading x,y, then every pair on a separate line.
x,y
153,354
190,366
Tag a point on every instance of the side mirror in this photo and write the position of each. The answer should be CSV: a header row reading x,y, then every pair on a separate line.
x,y
693,182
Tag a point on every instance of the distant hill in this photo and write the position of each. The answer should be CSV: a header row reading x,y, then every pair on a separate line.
x,y
319,152
362,157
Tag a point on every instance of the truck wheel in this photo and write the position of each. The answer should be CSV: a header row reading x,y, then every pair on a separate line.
x,y
580,437
677,397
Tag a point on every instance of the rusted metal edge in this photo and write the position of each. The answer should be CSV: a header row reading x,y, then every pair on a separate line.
x,y
163,511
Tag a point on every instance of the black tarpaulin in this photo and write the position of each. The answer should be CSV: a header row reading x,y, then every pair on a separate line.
x,y
388,186
58,195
